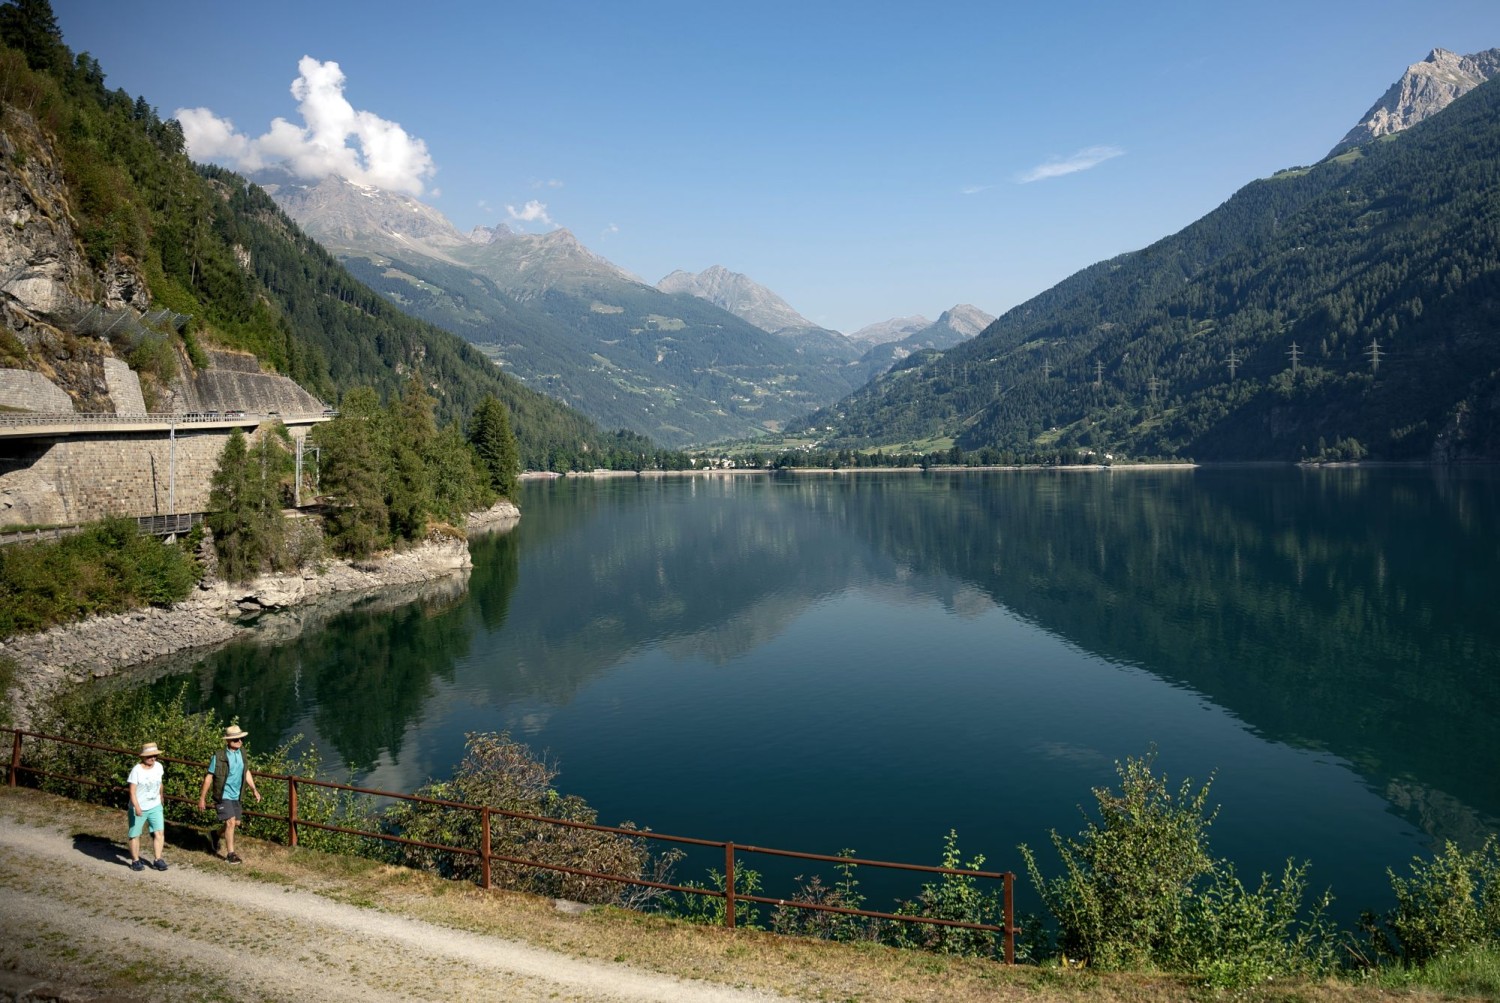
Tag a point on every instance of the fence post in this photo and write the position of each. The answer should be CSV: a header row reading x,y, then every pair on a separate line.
x,y
729,885
1010,918
484,849
15,757
291,810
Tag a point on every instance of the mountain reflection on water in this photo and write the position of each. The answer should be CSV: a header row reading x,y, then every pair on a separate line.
x,y
968,649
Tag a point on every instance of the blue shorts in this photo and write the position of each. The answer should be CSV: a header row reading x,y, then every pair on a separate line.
x,y
151,817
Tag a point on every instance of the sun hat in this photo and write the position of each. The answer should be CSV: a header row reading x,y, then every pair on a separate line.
x,y
149,749
233,731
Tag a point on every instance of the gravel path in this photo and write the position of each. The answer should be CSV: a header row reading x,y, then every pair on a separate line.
x,y
198,933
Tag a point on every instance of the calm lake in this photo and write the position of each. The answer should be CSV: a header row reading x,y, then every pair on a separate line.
x,y
816,662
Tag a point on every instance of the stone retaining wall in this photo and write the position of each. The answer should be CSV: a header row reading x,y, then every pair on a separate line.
x,y
124,387
28,391
83,478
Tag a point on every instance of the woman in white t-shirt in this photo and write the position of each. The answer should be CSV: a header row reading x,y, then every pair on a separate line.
x,y
145,807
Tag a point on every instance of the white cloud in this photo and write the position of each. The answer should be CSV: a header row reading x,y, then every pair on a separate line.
x,y
549,183
1080,161
613,228
532,212
974,189
383,154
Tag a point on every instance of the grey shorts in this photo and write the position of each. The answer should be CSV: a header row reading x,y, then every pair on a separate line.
x,y
228,810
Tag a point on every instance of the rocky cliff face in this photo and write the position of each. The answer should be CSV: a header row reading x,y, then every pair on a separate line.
x,y
46,281
1425,89
740,295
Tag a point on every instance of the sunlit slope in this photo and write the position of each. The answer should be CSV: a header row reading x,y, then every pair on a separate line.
x,y
1348,308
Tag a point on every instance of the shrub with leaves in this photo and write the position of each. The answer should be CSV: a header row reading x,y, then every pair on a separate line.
x,y
956,897
502,773
1235,936
1122,898
1140,890
712,910
110,567
842,893
1449,904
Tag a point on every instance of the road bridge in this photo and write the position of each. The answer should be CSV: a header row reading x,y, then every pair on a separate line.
x,y
50,425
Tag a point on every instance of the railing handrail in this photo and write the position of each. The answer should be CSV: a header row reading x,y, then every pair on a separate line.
x,y
148,417
1008,928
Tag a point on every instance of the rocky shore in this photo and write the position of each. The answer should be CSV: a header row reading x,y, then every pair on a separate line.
x,y
219,612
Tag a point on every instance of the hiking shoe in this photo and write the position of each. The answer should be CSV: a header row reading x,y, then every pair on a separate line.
x,y
160,865
138,864
233,858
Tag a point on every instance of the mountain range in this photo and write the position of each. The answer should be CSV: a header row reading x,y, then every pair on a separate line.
x,y
697,358
1341,311
572,324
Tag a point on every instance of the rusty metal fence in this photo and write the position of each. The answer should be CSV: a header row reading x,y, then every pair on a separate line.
x,y
1007,928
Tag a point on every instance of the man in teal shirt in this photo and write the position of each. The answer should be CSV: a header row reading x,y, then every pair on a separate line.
x,y
228,774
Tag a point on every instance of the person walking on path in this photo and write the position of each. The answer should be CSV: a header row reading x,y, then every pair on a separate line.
x,y
145,811
228,774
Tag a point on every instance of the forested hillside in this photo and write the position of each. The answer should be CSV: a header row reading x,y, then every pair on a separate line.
x,y
1347,310
213,246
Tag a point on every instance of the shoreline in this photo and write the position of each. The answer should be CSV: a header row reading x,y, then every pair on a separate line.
x,y
604,474
275,607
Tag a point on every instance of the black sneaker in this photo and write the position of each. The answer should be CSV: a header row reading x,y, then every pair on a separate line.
x,y
137,864
160,865
233,858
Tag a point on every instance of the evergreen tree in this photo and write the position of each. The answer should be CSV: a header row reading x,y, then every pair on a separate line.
x,y
460,482
352,478
411,431
489,431
30,27
245,504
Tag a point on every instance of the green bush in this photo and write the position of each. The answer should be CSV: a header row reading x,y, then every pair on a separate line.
x,y
110,567
955,897
1235,936
1122,900
843,893
1450,904
1141,891
712,910
502,773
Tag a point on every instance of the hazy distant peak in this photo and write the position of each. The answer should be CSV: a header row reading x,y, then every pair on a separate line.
x,y
890,330
965,319
1425,89
740,295
341,212
489,234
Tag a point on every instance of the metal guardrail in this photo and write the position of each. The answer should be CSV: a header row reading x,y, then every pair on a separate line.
x,y
1007,929
17,418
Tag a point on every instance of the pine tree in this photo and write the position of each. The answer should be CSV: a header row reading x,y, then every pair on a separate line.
x,y
352,479
489,431
245,504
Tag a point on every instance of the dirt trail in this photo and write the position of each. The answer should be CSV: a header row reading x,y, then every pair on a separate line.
x,y
70,905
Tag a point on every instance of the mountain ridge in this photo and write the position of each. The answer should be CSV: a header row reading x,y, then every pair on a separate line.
x,y
1426,88
1341,311
574,325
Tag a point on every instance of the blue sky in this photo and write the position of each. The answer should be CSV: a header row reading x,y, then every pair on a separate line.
x,y
863,160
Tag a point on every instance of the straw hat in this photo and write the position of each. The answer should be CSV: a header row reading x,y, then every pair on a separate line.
x,y
233,731
149,749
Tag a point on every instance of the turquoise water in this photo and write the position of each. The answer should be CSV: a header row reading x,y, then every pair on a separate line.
x,y
868,660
